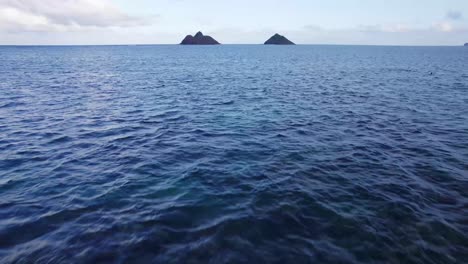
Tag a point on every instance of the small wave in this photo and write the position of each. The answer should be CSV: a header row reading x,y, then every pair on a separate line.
x,y
12,104
229,102
60,140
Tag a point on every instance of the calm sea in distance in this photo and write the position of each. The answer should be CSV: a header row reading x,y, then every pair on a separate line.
x,y
233,154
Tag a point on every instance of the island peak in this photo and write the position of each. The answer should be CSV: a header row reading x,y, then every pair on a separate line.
x,y
278,39
199,39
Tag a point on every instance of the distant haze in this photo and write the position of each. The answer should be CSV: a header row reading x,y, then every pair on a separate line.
x,y
367,22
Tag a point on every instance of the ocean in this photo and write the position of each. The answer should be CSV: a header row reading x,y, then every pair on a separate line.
x,y
233,154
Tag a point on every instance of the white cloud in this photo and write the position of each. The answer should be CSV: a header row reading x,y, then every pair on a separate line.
x,y
62,15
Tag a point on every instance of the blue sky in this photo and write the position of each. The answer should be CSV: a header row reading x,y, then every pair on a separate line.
x,y
374,22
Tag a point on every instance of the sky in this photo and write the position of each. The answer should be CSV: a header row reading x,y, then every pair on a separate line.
x,y
358,22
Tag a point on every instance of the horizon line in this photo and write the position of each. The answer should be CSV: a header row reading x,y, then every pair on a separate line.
x,y
224,44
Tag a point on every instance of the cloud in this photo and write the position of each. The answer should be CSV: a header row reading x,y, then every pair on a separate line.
x,y
454,15
391,28
444,27
62,15
440,27
398,28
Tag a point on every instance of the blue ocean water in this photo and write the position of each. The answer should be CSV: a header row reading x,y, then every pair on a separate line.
x,y
233,154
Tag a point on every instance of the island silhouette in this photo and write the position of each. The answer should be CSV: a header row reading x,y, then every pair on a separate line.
x,y
466,44
199,39
278,39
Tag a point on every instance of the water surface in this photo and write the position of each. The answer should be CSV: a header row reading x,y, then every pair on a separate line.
x,y
231,154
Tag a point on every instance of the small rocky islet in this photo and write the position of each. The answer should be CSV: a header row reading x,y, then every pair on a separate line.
x,y
199,39
278,39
